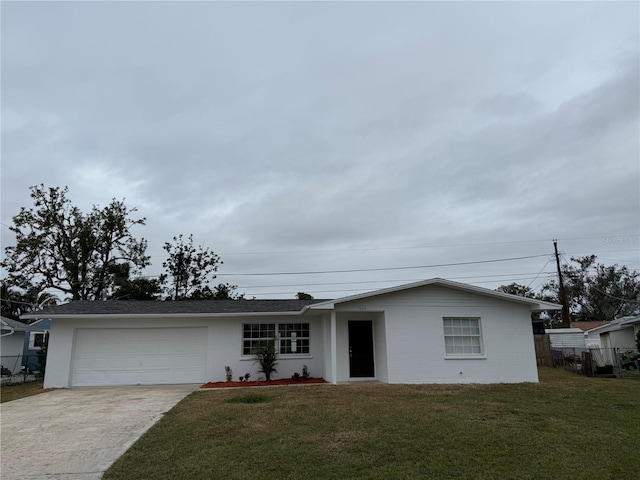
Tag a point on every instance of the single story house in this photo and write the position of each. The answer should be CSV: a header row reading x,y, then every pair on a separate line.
x,y
32,344
12,333
618,335
434,331
592,341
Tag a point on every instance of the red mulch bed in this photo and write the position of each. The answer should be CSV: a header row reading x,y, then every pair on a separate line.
x,y
270,383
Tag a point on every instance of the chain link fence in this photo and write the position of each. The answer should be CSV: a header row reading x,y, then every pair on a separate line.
x,y
21,368
607,362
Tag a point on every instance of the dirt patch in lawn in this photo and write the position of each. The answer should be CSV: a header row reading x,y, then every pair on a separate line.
x,y
263,383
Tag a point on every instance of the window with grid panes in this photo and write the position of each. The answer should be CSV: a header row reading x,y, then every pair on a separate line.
x,y
291,338
462,337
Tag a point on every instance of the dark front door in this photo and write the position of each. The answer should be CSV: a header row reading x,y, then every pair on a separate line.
x,y
361,349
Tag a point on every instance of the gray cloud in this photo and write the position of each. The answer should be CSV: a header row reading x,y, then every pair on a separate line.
x,y
345,129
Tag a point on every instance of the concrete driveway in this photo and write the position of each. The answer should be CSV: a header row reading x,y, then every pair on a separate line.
x,y
76,434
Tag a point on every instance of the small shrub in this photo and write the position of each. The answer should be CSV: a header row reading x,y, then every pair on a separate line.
x,y
265,355
295,377
229,373
305,372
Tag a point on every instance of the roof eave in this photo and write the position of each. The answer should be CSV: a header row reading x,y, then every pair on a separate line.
x,y
167,315
536,305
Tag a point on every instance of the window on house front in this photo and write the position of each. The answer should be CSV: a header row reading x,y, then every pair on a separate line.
x,y
462,337
36,340
290,338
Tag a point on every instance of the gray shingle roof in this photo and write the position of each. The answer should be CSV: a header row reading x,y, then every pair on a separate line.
x,y
138,307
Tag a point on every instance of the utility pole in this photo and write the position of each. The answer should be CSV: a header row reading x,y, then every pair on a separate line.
x,y
566,321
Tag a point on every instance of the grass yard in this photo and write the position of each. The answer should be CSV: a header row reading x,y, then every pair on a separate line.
x,y
15,391
568,426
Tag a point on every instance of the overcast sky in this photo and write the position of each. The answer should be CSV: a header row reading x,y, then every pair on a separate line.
x,y
324,137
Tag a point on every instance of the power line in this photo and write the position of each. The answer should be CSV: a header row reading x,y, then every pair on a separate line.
x,y
384,269
407,247
615,298
299,285
366,289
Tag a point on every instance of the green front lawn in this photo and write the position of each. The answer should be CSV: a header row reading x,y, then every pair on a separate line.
x,y
568,426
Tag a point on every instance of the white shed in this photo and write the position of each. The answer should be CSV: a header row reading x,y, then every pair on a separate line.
x,y
567,338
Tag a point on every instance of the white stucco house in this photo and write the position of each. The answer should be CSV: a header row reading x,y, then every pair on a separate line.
x,y
618,334
434,331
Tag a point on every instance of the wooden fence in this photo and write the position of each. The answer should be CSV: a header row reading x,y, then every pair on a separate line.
x,y
544,357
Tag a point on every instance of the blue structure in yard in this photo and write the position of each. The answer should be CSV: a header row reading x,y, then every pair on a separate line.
x,y
33,343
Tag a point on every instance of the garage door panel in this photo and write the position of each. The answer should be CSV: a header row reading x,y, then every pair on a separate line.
x,y
131,356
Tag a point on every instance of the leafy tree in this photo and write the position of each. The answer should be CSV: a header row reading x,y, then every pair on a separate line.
x,y
304,296
595,291
222,291
16,301
523,291
517,289
59,247
138,288
189,268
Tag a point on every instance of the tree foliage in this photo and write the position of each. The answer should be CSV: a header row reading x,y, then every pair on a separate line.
x,y
60,247
138,288
595,291
189,269
304,296
517,289
222,291
16,301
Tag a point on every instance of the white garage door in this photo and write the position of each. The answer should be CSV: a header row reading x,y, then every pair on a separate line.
x,y
138,356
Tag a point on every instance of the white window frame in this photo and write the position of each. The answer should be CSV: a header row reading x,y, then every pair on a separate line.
x,y
32,340
297,342
463,337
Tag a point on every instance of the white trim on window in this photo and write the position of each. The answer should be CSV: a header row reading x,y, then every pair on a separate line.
x,y
35,340
292,340
463,337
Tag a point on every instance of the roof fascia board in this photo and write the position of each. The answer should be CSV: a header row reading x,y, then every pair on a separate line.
x,y
536,305
167,315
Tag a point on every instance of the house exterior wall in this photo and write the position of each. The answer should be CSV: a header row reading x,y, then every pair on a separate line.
x,y
414,337
224,344
11,351
593,340
623,339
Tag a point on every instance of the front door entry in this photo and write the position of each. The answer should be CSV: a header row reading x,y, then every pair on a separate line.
x,y
361,348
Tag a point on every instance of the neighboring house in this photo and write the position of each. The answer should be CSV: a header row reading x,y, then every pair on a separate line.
x,y
11,343
32,344
619,333
435,331
592,341
565,338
